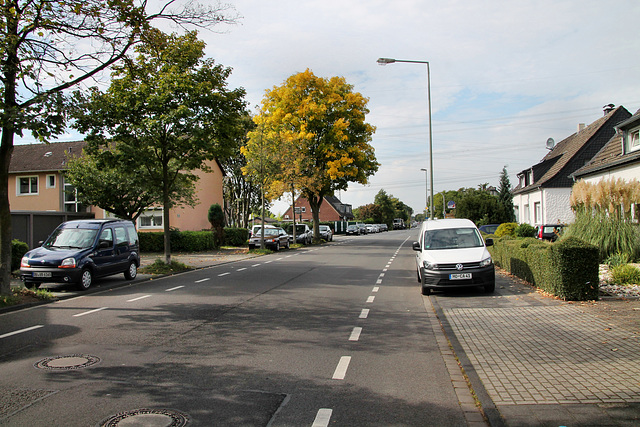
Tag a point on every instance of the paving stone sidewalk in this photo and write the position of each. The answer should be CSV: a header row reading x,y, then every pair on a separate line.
x,y
545,362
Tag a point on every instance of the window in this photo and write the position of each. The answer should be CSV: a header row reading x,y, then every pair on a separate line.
x,y
537,213
27,185
121,236
71,203
51,181
151,218
634,139
106,237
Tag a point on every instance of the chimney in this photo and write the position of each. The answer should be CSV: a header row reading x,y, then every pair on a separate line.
x,y
581,126
608,108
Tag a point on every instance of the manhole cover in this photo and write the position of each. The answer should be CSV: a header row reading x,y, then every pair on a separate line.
x,y
67,363
148,418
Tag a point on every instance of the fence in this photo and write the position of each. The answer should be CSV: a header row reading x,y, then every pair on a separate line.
x,y
33,227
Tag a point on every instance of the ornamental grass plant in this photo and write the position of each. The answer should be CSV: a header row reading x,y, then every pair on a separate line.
x,y
604,216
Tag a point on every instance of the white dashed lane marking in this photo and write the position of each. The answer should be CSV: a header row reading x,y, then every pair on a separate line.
x,y
341,369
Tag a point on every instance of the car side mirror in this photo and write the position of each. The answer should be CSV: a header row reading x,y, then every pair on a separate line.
x,y
416,246
103,244
489,242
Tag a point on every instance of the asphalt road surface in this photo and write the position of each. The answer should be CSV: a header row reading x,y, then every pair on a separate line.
x,y
325,335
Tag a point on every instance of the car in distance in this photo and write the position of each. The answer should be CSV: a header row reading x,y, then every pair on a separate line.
x,y
489,228
274,238
353,230
78,251
550,232
451,253
326,233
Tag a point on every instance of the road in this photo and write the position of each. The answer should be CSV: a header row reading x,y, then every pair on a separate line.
x,y
336,334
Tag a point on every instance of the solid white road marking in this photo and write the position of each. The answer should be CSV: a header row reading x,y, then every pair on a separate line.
x,y
8,334
139,298
371,298
322,418
203,280
90,312
341,369
173,289
364,313
355,334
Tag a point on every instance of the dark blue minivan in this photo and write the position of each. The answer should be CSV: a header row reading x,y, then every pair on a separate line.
x,y
78,251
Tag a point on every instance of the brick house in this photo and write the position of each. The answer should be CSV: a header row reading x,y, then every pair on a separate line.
x,y
36,184
331,210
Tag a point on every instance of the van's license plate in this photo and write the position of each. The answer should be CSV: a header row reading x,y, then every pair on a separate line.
x,y
460,276
42,274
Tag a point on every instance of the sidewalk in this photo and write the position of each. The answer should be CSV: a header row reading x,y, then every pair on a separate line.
x,y
200,259
537,361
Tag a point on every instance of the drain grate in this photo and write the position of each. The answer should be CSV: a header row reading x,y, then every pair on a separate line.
x,y
67,363
147,417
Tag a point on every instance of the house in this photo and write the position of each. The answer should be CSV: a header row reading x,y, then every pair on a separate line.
x,y
37,184
543,190
619,158
331,210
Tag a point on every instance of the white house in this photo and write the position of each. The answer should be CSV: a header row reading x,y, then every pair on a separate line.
x,y
543,190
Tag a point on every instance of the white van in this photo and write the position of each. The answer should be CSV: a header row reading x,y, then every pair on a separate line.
x,y
451,253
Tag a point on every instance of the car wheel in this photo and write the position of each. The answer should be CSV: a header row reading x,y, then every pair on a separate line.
x,y
418,274
426,291
277,246
490,288
251,247
287,245
132,271
85,280
32,285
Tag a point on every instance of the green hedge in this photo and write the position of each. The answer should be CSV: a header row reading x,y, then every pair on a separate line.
x,y
235,236
18,249
192,241
181,241
567,269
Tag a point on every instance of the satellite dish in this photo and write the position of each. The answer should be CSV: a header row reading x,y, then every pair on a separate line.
x,y
550,144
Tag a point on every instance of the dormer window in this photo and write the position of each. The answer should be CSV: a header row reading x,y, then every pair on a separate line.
x,y
633,139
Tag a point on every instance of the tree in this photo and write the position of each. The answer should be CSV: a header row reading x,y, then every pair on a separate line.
x,y
241,195
171,111
323,121
40,58
506,197
370,212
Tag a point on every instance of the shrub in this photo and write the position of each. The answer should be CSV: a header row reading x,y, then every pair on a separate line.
x,y
625,274
181,241
617,259
235,236
18,249
525,230
507,228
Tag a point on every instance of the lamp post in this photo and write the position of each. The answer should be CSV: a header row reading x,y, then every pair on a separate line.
x,y
426,183
385,61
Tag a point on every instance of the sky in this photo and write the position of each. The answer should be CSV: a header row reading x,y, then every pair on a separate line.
x,y
505,76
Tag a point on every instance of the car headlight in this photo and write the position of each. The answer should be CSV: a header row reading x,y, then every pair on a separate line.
x,y
24,262
486,262
430,265
68,263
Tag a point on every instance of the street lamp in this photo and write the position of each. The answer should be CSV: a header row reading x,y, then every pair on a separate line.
x,y
426,182
385,61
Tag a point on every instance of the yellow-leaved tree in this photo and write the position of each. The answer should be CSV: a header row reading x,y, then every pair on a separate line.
x,y
317,127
